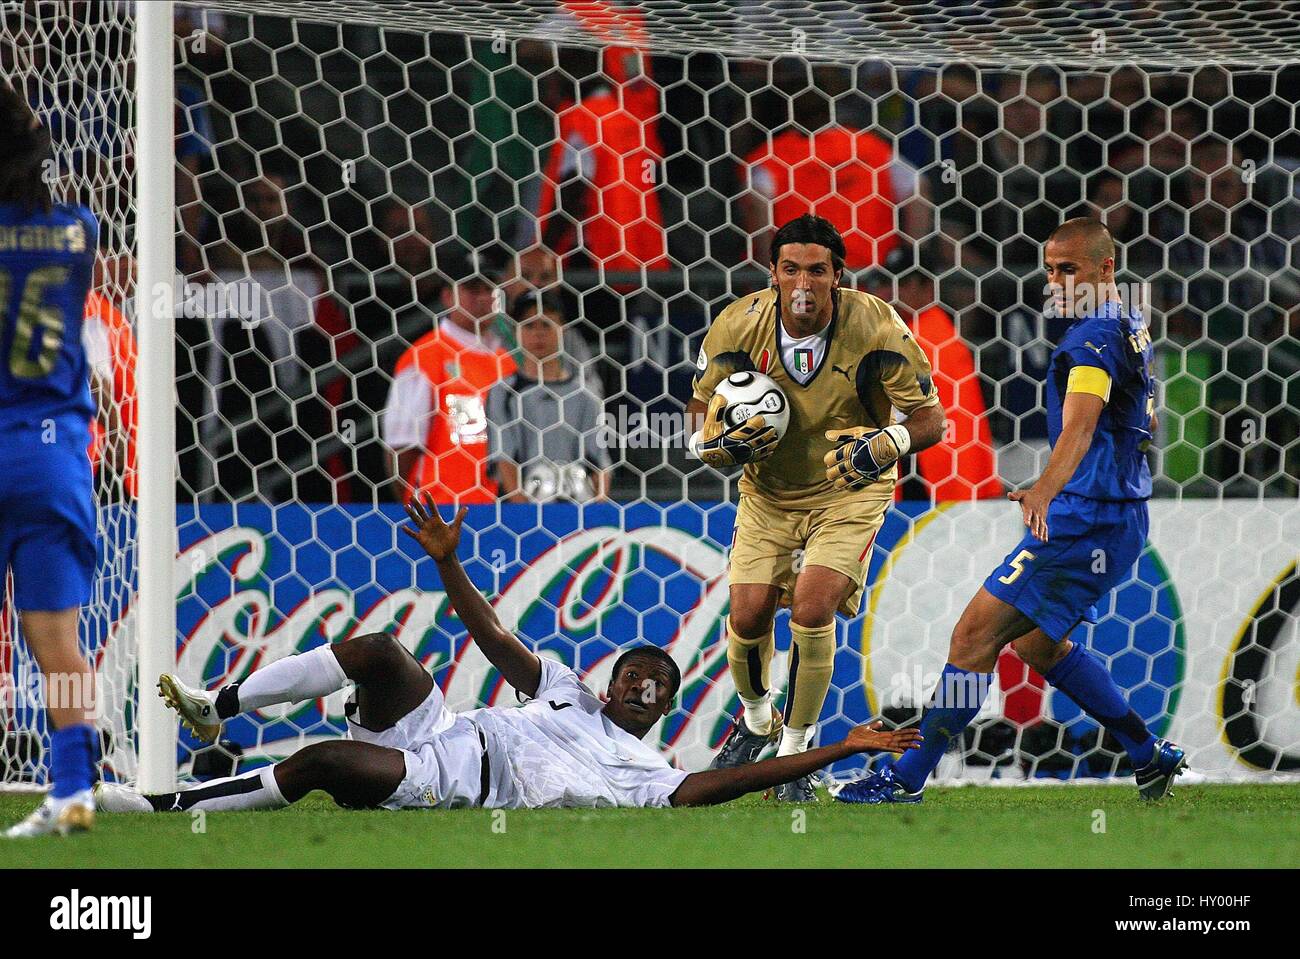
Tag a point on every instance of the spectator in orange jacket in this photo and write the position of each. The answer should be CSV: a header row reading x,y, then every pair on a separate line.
x,y
962,466
435,422
854,178
599,184
111,353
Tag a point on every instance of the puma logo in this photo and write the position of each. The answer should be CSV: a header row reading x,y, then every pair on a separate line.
x,y
838,369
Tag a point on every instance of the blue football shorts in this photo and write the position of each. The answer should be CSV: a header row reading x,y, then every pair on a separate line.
x,y
1092,546
47,520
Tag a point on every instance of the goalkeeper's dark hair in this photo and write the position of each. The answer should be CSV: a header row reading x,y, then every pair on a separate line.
x,y
650,652
810,228
24,148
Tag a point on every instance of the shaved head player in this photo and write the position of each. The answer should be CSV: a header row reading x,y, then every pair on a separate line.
x,y
1086,520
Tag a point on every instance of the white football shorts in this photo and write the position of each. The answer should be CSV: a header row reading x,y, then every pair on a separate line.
x,y
444,753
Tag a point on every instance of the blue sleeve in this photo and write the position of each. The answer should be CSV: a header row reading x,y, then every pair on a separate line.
x,y
89,222
92,227
1096,345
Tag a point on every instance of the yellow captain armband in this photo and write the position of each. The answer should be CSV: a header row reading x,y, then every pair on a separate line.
x,y
1089,379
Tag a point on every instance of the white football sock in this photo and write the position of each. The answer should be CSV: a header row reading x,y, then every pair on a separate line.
x,y
758,714
794,740
255,790
294,679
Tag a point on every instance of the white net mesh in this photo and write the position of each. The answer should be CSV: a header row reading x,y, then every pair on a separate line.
x,y
73,63
1151,32
338,164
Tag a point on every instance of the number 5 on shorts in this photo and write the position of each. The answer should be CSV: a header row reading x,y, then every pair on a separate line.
x,y
1018,564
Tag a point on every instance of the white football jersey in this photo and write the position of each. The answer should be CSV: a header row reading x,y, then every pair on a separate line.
x,y
561,750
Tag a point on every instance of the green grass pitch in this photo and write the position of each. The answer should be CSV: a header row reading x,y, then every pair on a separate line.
x,y
1225,826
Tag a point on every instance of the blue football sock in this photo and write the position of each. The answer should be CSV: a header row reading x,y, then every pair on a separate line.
x,y
72,759
1083,678
956,701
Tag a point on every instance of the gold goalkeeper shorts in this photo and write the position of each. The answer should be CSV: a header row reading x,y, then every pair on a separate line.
x,y
771,544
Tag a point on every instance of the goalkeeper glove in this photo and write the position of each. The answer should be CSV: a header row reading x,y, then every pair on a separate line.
x,y
862,454
719,447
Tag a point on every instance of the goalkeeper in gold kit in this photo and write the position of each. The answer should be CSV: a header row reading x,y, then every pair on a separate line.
x,y
810,505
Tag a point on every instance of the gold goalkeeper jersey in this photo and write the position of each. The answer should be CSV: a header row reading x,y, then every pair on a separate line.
x,y
871,366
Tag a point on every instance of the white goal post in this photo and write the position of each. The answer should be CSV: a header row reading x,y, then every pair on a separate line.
x,y
287,189
156,375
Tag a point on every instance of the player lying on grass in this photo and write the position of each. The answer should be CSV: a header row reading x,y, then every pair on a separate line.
x,y
1087,525
566,747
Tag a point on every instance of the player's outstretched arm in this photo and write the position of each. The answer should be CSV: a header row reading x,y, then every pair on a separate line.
x,y
1079,415
924,427
722,785
517,665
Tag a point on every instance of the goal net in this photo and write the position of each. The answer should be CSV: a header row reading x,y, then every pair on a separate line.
x,y
351,176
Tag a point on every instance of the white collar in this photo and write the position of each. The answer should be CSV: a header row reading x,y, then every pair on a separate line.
x,y
820,334
467,340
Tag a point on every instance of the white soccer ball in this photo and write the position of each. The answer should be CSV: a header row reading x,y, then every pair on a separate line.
x,y
575,483
751,394
545,482
541,482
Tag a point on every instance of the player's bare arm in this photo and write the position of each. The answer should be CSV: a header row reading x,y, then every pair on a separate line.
x,y
1079,415
924,428
517,665
722,785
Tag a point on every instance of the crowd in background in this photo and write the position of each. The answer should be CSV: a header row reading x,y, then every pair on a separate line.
x,y
463,252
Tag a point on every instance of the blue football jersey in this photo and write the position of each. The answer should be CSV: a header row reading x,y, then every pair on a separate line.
x,y
46,263
1115,340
